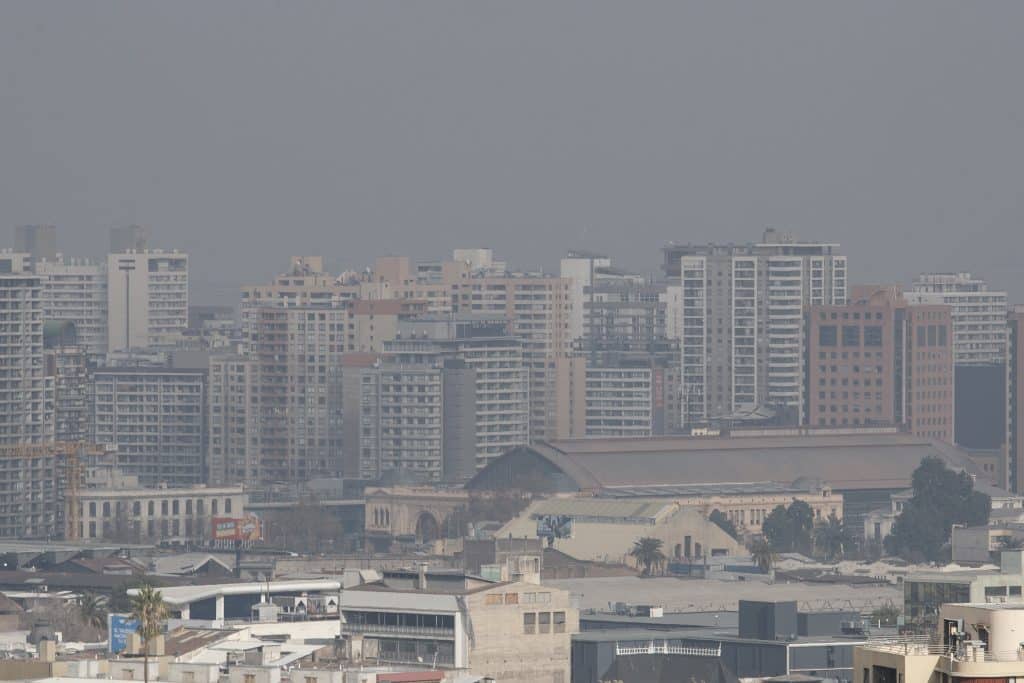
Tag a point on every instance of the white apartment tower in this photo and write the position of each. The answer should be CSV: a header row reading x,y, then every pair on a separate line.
x,y
147,297
741,322
76,291
979,314
25,410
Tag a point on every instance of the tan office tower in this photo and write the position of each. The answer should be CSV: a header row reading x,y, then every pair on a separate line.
x,y
538,309
879,361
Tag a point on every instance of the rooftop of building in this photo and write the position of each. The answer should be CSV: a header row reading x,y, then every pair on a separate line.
x,y
184,595
868,459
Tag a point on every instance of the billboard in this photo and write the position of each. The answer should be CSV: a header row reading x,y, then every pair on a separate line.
x,y
246,528
120,627
554,526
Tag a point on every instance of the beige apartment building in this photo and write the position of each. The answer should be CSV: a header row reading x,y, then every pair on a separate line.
x,y
538,310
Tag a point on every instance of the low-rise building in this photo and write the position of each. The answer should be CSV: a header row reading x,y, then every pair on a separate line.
x,y
969,642
136,515
516,632
925,592
605,530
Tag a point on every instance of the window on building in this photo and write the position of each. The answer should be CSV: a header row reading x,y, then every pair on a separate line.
x,y
493,599
176,507
511,598
872,335
249,678
227,506
529,622
544,622
106,509
827,335
851,335
92,509
559,618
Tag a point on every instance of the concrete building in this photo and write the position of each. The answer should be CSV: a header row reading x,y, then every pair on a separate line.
x,y
924,593
538,309
742,322
147,298
25,394
233,450
38,241
413,421
296,379
517,632
605,530
971,641
772,641
616,395
76,291
980,354
979,314
130,514
579,268
156,418
67,372
485,346
878,361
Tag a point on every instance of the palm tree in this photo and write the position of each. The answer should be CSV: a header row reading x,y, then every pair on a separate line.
x,y
149,610
832,538
93,612
763,554
647,552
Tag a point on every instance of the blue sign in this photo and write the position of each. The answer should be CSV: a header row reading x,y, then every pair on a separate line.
x,y
120,627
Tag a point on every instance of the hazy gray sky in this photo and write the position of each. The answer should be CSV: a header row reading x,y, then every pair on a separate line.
x,y
247,131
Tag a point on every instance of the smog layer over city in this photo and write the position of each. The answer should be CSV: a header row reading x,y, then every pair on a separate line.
x,y
571,342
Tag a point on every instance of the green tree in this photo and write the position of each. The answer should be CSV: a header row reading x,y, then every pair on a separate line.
x,y
777,530
942,497
647,552
801,524
92,612
149,610
763,554
833,539
724,523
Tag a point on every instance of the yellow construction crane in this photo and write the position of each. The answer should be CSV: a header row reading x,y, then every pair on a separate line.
x,y
69,462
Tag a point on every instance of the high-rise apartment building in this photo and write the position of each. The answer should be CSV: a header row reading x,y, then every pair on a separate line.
x,y
616,395
409,421
76,291
979,336
741,324
502,379
296,379
156,419
25,398
581,269
38,241
147,298
67,371
538,310
878,361
234,430
979,314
